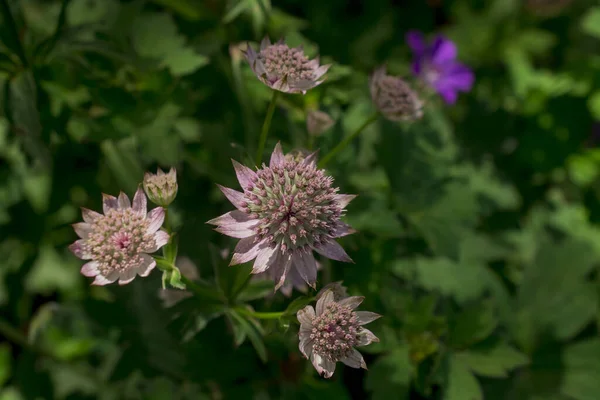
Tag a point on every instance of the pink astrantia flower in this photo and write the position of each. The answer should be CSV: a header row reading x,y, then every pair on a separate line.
x,y
330,333
287,210
285,69
119,242
437,65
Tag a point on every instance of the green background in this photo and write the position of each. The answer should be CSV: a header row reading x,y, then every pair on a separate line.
x,y
478,238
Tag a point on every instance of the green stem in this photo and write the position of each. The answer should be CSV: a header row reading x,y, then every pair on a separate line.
x,y
14,32
203,291
261,315
15,336
265,128
341,145
167,222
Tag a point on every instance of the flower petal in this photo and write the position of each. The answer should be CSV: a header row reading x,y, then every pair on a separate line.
x,y
246,177
311,159
240,231
105,280
266,42
90,269
305,344
324,300
80,250
127,276
236,198
306,315
342,229
366,337
343,200
123,201
416,42
109,202
140,203
354,360
265,259
247,249
443,50
89,216
82,229
333,250
365,317
277,157
352,301
324,367
147,266
156,217
230,218
306,267
161,238
283,267
321,71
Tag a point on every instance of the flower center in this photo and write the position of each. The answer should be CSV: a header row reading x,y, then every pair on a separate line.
x,y
335,332
117,239
295,205
280,61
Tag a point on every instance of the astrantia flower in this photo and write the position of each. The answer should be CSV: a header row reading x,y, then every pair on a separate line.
x,y
161,188
119,242
394,98
318,122
287,210
330,334
437,66
285,69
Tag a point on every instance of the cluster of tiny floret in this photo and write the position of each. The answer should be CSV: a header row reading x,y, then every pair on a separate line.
x,y
117,239
395,96
281,61
335,332
294,204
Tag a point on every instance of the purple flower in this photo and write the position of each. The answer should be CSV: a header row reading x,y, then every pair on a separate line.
x,y
329,332
286,210
119,242
437,66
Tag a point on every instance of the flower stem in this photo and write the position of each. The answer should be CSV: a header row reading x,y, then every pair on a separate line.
x,y
265,128
261,315
341,145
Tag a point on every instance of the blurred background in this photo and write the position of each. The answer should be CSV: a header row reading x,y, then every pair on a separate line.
x,y
478,238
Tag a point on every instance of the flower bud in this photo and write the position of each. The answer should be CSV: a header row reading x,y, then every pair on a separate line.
x,y
394,98
161,188
318,122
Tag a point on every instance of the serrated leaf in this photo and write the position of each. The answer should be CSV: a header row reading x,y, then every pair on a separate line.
x,y
473,324
462,384
496,362
247,328
389,374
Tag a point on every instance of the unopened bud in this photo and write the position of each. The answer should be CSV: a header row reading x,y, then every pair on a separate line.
x,y
317,122
394,98
161,188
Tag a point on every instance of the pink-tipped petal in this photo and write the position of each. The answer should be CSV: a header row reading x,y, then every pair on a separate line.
x,y
234,231
282,271
333,250
161,238
155,217
109,203
90,269
245,175
352,301
140,203
366,337
82,229
80,250
147,266
89,216
123,201
342,229
365,317
231,218
247,249
324,367
354,360
277,157
236,198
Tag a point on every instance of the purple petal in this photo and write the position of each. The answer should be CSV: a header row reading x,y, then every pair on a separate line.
x,y
352,301
277,157
443,50
416,42
156,217
239,231
140,202
231,218
161,238
283,267
306,266
123,201
236,198
89,216
311,159
365,317
247,249
456,76
417,67
333,250
265,259
342,229
344,199
245,175
90,269
147,266
449,95
324,367
266,42
82,229
79,249
354,360
109,202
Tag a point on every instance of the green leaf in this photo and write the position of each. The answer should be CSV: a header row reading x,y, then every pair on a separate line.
x,y
190,9
51,271
391,373
297,304
256,289
462,384
590,23
250,329
594,104
581,380
473,324
496,362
